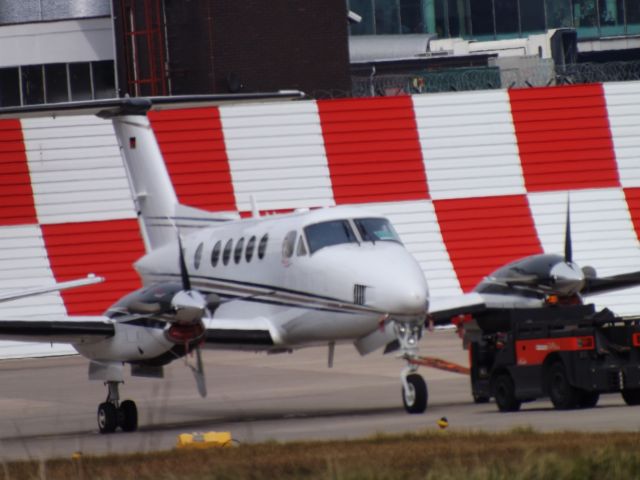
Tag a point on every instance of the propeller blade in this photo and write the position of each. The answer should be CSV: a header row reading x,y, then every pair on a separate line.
x,y
184,273
568,253
198,373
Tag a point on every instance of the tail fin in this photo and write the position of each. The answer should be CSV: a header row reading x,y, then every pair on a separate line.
x,y
149,180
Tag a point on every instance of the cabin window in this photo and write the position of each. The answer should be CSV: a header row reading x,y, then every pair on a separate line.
x,y
326,234
226,253
198,256
251,246
289,243
237,253
376,229
302,250
262,246
215,253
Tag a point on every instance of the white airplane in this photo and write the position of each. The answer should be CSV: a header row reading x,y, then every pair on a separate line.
x,y
270,284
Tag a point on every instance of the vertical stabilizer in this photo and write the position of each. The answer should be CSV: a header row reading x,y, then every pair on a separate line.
x,y
151,186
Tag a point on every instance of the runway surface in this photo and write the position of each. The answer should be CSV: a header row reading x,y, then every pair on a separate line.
x,y
48,407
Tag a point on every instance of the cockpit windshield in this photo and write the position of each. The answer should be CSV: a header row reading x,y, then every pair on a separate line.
x,y
376,229
326,234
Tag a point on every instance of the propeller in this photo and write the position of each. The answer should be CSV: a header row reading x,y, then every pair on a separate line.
x,y
184,273
568,251
191,302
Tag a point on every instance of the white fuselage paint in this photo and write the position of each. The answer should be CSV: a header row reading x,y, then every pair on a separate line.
x,y
302,300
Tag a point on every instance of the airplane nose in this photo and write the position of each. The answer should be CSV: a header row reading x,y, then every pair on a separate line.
x,y
403,291
568,278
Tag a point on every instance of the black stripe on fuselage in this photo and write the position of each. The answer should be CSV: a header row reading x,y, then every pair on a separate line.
x,y
238,337
307,300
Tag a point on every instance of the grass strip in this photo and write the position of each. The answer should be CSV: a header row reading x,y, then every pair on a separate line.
x,y
518,454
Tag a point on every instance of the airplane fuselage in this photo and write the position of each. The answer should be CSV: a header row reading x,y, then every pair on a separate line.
x,y
283,282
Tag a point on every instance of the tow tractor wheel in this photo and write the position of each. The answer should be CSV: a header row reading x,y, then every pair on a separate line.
x,y
564,396
505,394
589,399
107,417
128,416
631,397
477,398
415,401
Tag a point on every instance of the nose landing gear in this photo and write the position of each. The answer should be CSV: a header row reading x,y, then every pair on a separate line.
x,y
113,414
414,389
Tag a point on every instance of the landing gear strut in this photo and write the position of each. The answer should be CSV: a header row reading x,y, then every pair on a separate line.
x,y
414,389
113,414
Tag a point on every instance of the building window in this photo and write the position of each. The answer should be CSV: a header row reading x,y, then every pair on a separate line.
x,y
585,16
103,79
506,14
9,87
80,80
364,8
55,83
632,13
482,18
611,17
532,15
32,85
558,13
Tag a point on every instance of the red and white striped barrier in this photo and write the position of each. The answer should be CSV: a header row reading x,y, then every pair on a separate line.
x,y
471,180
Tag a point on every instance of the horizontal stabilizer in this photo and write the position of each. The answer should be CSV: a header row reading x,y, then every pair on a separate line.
x,y
140,105
29,292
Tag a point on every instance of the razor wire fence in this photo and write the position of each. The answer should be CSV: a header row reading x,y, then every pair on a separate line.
x,y
543,73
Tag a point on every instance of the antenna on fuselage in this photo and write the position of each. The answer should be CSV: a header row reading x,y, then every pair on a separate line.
x,y
255,212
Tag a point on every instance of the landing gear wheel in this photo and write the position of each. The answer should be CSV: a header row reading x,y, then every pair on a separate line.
x,y
564,396
415,400
107,418
505,394
589,399
631,397
128,416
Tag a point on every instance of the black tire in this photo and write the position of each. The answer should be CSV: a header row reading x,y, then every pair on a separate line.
x,y
107,417
631,396
504,392
589,399
480,398
417,402
563,395
128,416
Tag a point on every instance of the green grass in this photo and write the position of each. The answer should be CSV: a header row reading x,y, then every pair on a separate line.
x,y
520,454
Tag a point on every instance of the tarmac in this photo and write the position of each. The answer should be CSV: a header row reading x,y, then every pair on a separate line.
x,y
48,407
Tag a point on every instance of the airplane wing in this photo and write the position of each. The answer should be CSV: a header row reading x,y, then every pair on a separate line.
x,y
442,309
595,285
64,329
56,287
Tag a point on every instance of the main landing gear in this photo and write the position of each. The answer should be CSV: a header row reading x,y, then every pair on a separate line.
x,y
415,395
113,414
